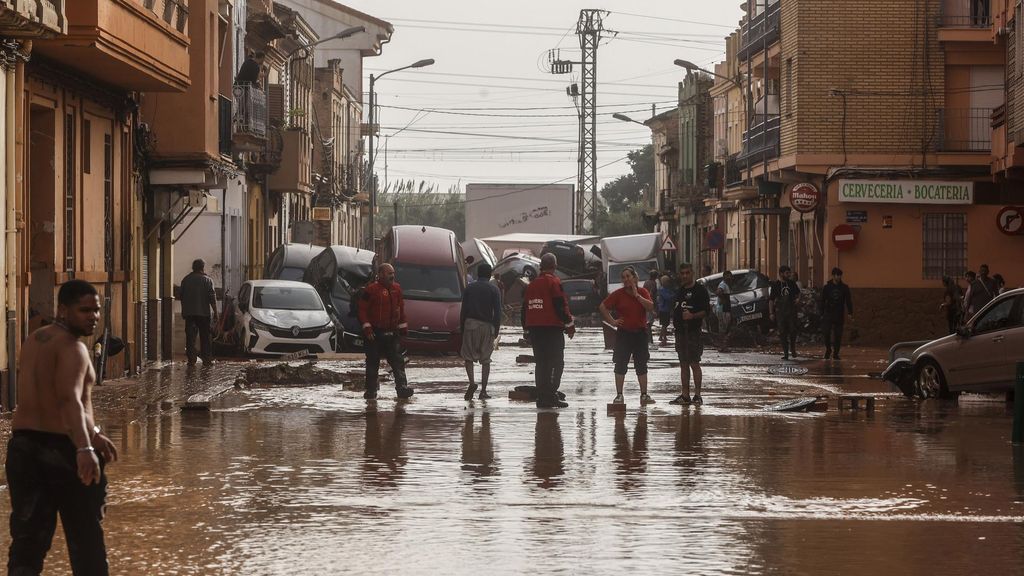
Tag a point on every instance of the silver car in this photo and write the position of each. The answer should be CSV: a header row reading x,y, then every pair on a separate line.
x,y
981,357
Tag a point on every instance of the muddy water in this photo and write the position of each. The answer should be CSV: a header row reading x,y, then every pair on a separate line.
x,y
307,481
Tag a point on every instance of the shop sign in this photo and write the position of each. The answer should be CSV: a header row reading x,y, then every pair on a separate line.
x,y
856,216
804,197
906,191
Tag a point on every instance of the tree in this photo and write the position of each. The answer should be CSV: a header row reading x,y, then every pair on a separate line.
x,y
418,203
620,209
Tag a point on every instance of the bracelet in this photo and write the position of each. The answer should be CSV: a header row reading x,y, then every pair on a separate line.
x,y
86,449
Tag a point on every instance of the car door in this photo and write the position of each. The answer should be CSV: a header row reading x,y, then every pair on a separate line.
x,y
979,361
1013,342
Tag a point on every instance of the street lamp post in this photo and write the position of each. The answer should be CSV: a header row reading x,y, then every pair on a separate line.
x,y
370,181
625,118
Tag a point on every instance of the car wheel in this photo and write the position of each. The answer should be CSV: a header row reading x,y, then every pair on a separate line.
x,y
530,272
931,382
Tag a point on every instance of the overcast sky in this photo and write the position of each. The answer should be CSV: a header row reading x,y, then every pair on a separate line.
x,y
491,79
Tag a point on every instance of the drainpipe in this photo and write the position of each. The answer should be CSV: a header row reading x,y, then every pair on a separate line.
x,y
14,85
223,234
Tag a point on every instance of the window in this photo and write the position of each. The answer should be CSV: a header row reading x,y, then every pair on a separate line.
x,y
86,147
945,245
996,318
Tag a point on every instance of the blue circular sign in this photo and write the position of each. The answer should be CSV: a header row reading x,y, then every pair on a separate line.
x,y
715,239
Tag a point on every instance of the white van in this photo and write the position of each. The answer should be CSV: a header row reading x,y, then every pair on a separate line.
x,y
642,252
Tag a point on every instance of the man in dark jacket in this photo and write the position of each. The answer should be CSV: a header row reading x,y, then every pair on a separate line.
x,y
836,303
782,299
199,309
546,316
479,323
381,311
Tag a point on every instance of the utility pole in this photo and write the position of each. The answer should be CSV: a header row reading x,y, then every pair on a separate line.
x,y
589,28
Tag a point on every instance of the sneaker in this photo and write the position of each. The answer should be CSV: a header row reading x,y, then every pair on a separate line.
x,y
836,357
404,391
469,392
619,400
828,354
697,400
484,395
552,403
370,394
646,399
681,400
785,356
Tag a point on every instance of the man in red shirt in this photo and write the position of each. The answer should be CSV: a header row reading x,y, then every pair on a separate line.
x,y
631,304
545,316
381,311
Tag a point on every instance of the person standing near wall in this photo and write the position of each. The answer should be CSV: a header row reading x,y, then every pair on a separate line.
x,y
836,304
199,309
782,302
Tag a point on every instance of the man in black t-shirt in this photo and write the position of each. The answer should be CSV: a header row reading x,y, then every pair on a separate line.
x,y
691,306
836,304
782,301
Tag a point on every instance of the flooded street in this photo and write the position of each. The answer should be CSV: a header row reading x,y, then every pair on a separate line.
x,y
306,480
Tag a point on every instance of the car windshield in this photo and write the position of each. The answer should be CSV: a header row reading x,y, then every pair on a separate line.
x,y
429,282
286,298
642,269
744,282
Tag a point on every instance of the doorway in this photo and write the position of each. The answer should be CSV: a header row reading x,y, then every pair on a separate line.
x,y
42,217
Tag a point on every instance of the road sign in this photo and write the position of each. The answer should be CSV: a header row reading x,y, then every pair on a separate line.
x,y
804,197
844,237
1011,220
668,245
715,239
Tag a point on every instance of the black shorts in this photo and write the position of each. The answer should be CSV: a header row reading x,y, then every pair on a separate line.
x,y
665,318
689,349
631,343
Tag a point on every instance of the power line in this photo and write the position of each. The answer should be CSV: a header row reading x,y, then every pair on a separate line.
x,y
662,18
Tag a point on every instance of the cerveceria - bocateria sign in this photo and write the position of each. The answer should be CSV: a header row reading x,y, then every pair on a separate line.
x,y
906,191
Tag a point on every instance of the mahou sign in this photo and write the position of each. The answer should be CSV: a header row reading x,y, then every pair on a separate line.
x,y
804,197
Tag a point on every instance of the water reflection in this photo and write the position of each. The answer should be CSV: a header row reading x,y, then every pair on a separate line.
x,y
385,458
630,458
478,447
691,454
548,464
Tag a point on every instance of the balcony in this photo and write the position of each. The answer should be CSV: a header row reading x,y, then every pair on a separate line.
x,y
267,159
733,171
965,14
295,174
36,19
137,45
964,130
759,32
761,142
249,118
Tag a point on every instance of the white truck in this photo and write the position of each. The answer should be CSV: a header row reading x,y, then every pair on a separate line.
x,y
642,252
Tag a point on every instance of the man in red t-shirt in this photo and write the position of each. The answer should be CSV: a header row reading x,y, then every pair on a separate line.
x,y
631,304
545,318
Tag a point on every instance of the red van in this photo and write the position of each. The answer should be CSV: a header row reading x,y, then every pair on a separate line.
x,y
431,269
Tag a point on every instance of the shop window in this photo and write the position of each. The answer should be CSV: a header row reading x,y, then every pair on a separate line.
x,y
944,245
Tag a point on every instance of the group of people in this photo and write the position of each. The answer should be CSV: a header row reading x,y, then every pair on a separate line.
x,y
960,305
834,307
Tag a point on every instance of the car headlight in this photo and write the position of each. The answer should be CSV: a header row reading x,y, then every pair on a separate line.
x,y
255,324
329,327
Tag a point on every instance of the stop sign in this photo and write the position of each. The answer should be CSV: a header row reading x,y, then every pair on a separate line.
x,y
844,237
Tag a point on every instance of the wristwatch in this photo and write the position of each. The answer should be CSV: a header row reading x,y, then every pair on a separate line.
x,y
95,429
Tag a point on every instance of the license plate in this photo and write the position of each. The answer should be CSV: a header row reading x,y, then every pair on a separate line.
x,y
358,342
754,316
577,298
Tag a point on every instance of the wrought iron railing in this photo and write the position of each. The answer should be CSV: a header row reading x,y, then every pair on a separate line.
x,y
761,30
966,14
250,111
964,130
761,142
174,12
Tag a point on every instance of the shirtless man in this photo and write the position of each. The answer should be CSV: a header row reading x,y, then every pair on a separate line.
x,y
56,454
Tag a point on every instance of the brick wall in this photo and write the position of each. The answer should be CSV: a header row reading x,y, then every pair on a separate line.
x,y
883,56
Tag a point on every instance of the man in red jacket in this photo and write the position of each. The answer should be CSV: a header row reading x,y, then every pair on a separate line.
x,y
545,317
382,314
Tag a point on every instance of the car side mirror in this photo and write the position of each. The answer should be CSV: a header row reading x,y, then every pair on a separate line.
x,y
963,332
